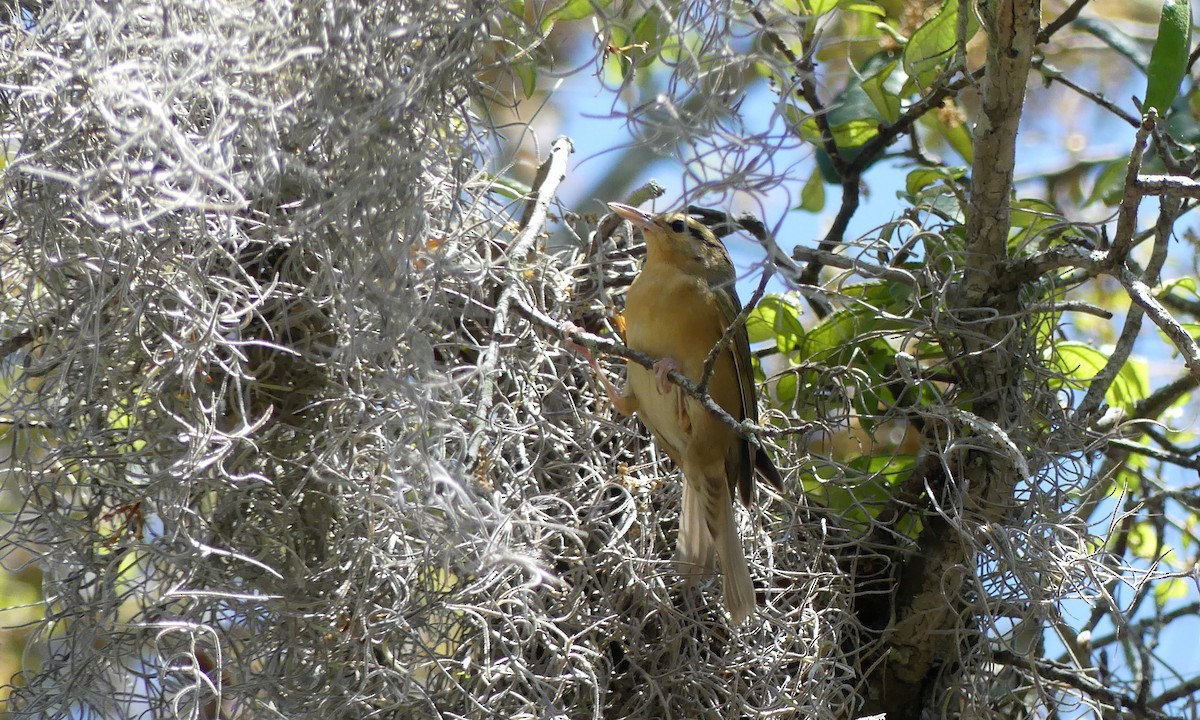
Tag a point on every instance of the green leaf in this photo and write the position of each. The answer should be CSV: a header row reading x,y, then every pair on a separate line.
x,y
881,295
1186,283
577,9
509,188
795,117
776,318
939,202
853,116
886,103
852,134
957,136
865,492
526,72
829,336
1079,360
1110,183
787,389
1143,541
812,197
820,7
1116,38
922,178
1184,287
1168,60
571,10
647,29
866,8
1032,216
1131,385
1082,362
929,45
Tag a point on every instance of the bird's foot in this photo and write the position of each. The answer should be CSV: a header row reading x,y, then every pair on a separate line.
x,y
661,368
623,403
568,329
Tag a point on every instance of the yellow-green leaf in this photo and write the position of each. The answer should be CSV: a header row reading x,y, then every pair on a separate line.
x,y
775,318
1082,363
852,134
812,197
930,44
1109,183
1171,589
526,73
866,8
958,135
820,7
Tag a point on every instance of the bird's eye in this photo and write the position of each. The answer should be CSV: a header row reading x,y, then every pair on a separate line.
x,y
678,226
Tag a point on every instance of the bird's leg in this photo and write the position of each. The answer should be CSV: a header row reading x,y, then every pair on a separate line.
x,y
661,368
622,402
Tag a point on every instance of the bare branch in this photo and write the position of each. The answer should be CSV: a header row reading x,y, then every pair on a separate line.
x,y
1127,216
1124,705
1133,319
1168,185
550,175
1179,336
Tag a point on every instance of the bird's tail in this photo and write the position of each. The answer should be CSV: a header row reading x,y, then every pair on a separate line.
x,y
738,587
694,552
706,527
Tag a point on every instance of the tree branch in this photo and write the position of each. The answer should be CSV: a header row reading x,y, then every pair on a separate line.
x,y
1065,675
1133,319
1010,25
1127,215
533,220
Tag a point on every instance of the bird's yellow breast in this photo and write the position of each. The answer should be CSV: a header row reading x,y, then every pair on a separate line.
x,y
671,314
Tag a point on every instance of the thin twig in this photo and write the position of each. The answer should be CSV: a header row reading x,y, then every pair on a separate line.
x,y
1179,336
1061,21
1065,675
550,175
866,269
1053,74
1185,461
1133,319
1127,215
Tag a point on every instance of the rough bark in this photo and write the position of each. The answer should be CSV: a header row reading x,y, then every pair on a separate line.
x,y
971,489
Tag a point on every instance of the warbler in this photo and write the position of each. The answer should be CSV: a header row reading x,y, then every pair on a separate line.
x,y
677,309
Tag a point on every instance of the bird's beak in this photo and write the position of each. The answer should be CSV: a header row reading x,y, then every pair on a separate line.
x,y
632,214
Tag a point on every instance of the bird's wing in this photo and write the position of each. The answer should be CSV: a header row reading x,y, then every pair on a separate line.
x,y
740,465
749,458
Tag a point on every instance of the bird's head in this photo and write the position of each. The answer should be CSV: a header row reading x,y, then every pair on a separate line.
x,y
679,239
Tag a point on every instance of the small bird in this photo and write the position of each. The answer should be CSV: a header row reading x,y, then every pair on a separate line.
x,y
678,309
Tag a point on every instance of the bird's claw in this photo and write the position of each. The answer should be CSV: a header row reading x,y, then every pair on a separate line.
x,y
661,368
568,329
